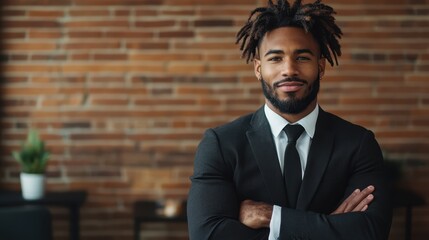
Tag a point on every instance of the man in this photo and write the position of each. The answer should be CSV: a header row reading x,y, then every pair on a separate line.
x,y
290,170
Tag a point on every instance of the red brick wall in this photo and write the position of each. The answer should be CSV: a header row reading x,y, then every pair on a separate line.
x,y
122,91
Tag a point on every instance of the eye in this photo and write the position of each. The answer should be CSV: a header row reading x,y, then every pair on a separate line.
x,y
303,58
275,59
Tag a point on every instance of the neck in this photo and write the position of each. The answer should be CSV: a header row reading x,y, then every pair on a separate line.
x,y
292,118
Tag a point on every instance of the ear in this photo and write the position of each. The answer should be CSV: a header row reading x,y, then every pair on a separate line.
x,y
257,68
322,64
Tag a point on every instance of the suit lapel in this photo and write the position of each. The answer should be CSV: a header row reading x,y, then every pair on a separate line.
x,y
317,161
264,150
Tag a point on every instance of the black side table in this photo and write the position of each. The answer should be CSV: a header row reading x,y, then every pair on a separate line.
x,y
147,211
72,200
407,199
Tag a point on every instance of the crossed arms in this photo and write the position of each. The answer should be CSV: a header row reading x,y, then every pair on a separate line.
x,y
218,209
258,214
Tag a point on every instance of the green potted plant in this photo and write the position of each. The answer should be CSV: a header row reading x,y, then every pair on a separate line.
x,y
33,158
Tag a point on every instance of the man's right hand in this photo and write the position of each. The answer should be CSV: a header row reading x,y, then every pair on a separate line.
x,y
358,201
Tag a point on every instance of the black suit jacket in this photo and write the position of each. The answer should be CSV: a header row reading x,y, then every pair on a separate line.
x,y
238,161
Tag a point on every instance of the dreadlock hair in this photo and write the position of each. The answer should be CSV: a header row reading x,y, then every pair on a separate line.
x,y
316,18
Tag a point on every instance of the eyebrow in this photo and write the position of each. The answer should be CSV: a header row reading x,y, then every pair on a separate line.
x,y
297,51
304,50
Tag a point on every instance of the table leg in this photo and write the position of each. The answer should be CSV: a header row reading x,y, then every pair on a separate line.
x,y
74,222
136,229
408,223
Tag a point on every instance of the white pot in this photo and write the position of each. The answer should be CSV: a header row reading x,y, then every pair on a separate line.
x,y
32,186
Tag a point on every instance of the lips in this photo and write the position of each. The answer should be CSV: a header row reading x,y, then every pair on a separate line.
x,y
290,86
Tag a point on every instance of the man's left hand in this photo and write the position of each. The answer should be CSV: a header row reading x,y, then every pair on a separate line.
x,y
255,214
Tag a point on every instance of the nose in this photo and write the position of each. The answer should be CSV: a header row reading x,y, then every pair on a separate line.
x,y
289,68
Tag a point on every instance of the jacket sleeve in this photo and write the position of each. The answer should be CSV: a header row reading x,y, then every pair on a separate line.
x,y
213,204
373,224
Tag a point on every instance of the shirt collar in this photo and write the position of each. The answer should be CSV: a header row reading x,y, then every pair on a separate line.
x,y
277,122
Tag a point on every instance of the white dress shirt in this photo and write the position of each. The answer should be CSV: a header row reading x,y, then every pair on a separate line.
x,y
277,123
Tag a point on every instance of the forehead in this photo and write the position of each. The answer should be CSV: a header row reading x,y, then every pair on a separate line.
x,y
288,38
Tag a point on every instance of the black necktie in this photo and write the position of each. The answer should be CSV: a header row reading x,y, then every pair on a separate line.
x,y
292,164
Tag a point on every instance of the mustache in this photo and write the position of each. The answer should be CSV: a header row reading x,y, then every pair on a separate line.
x,y
290,79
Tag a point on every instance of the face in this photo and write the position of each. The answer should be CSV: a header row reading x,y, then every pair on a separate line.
x,y
289,68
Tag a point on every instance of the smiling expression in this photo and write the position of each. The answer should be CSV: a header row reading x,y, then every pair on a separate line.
x,y
289,67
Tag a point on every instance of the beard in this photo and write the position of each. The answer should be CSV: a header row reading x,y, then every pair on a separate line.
x,y
293,105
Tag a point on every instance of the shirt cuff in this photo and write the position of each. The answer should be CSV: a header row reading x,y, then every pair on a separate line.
x,y
275,223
